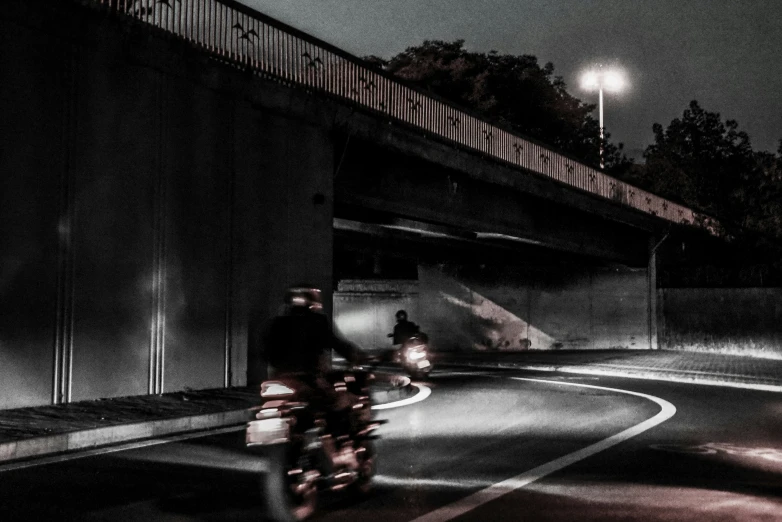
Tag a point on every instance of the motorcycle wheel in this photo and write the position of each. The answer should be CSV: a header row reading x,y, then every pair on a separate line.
x,y
289,497
365,453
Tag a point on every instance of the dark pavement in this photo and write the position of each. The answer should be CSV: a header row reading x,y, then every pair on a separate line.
x,y
485,445
34,432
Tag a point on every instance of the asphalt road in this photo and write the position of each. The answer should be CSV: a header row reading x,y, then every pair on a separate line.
x,y
480,447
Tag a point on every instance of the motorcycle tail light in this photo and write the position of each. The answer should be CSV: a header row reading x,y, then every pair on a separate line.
x,y
275,389
267,431
415,355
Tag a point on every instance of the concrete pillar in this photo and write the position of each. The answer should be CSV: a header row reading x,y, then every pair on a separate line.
x,y
652,279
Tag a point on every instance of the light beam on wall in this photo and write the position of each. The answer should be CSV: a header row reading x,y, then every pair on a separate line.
x,y
506,326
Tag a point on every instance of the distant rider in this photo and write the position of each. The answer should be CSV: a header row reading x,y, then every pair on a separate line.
x,y
404,329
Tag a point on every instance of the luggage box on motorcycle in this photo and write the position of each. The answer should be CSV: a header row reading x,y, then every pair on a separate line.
x,y
267,431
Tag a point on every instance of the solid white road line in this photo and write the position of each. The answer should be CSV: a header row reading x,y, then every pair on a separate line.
x,y
423,393
667,410
774,388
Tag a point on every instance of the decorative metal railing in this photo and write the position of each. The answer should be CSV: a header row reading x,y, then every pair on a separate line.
x,y
239,34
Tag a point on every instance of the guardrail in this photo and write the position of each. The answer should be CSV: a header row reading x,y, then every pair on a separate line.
x,y
239,34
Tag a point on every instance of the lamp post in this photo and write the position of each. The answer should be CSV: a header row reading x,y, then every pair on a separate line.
x,y
602,79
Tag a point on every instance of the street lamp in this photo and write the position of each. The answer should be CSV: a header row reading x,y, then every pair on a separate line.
x,y
602,79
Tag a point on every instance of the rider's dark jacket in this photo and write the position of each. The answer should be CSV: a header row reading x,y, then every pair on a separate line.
x,y
298,342
403,330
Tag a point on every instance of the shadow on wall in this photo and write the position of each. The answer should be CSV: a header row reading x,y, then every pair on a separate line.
x,y
459,318
515,308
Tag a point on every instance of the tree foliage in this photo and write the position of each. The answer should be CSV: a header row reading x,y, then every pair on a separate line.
x,y
709,164
515,91
699,159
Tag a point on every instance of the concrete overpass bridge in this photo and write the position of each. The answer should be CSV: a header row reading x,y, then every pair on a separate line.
x,y
171,166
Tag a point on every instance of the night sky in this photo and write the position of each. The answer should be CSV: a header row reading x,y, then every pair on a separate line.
x,y
727,54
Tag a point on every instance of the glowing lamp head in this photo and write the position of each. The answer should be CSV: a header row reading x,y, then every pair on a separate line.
x,y
608,80
613,81
590,81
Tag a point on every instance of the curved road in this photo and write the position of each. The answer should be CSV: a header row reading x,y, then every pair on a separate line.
x,y
480,447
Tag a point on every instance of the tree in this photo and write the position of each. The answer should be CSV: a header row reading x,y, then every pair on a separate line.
x,y
514,91
708,164
764,203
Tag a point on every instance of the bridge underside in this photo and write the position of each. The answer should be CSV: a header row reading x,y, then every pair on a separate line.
x,y
378,185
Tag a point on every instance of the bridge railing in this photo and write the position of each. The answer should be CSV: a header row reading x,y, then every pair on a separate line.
x,y
239,34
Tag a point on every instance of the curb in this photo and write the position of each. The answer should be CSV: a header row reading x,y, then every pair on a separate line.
x,y
401,389
104,436
91,438
686,377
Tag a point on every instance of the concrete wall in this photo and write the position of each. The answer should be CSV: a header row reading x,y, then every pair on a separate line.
x,y
511,308
153,208
539,308
739,321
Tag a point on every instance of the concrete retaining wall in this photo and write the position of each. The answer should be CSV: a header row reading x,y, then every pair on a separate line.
x,y
151,199
538,308
740,321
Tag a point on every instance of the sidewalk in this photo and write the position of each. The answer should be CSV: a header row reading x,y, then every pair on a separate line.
x,y
44,430
663,365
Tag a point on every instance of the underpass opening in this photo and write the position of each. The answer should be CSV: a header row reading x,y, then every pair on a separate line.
x,y
473,294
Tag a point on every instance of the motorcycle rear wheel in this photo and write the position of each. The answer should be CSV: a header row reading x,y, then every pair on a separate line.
x,y
289,497
366,468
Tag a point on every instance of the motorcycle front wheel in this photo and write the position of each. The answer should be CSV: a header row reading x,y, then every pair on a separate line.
x,y
291,493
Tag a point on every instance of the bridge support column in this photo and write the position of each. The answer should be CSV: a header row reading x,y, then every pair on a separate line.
x,y
654,244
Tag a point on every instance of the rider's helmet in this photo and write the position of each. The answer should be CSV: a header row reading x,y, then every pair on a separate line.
x,y
401,315
304,296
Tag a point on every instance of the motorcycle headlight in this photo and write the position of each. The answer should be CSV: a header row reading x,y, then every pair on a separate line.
x,y
275,389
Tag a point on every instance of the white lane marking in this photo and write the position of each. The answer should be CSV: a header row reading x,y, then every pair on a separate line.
x,y
423,393
774,388
466,373
477,499
113,449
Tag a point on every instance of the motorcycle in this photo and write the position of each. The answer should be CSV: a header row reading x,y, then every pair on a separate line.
x,y
311,451
413,356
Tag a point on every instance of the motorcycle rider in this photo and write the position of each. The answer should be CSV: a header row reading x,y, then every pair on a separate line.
x,y
296,345
403,329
